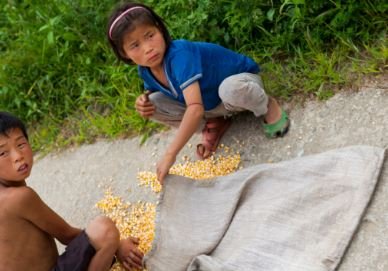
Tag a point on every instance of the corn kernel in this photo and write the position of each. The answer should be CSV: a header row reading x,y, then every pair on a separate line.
x,y
138,219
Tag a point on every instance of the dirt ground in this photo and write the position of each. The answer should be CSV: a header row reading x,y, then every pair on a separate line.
x,y
72,181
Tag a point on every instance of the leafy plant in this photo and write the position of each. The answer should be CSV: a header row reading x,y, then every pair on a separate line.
x,y
59,74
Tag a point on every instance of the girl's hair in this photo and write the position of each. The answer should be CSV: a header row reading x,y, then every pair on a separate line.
x,y
9,122
125,19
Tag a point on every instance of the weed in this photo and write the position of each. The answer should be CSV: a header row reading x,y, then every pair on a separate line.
x,y
59,74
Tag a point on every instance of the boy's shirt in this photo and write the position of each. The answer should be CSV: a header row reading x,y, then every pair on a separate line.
x,y
186,62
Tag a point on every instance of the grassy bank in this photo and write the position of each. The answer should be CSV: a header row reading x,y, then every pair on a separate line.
x,y
59,75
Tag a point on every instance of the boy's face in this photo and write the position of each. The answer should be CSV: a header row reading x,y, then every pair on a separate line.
x,y
16,158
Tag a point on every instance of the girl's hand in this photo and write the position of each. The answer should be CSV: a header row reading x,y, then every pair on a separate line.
x,y
164,165
129,255
143,105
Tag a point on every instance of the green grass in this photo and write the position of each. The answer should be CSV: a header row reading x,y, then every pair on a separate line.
x,y
60,76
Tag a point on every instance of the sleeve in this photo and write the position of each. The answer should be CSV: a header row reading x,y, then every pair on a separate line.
x,y
189,66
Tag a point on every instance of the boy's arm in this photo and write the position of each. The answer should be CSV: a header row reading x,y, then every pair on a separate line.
x,y
191,119
31,207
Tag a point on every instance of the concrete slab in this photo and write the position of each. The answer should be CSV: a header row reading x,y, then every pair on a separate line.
x,y
72,181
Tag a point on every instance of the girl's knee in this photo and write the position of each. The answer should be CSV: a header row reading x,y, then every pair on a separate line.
x,y
158,99
244,92
229,87
102,232
167,110
241,86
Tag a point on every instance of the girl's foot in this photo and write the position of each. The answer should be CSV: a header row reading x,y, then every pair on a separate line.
x,y
274,111
211,134
276,122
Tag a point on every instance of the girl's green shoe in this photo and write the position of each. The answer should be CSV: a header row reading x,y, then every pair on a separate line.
x,y
277,129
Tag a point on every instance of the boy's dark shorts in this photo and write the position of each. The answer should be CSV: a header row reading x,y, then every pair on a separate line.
x,y
77,256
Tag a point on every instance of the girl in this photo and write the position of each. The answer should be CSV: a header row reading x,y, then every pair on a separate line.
x,y
187,82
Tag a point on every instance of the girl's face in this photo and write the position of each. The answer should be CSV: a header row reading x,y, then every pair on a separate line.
x,y
145,46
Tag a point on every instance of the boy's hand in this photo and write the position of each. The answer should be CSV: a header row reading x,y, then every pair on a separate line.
x,y
129,255
164,165
143,105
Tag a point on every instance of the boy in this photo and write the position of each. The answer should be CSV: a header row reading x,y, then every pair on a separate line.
x,y
28,226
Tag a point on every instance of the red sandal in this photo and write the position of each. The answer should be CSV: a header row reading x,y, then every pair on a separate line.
x,y
211,134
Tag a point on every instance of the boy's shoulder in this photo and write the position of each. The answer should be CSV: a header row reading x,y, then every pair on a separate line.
x,y
18,193
17,198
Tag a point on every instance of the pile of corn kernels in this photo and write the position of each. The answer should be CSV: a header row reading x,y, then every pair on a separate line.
x,y
138,219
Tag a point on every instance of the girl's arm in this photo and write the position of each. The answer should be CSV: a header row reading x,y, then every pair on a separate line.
x,y
30,206
190,122
191,119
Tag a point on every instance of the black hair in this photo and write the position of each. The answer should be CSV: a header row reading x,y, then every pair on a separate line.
x,y
9,122
128,22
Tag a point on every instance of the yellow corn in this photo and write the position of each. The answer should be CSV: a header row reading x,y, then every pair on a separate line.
x,y
138,219
212,167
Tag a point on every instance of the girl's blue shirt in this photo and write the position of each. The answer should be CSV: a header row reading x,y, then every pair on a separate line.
x,y
186,62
